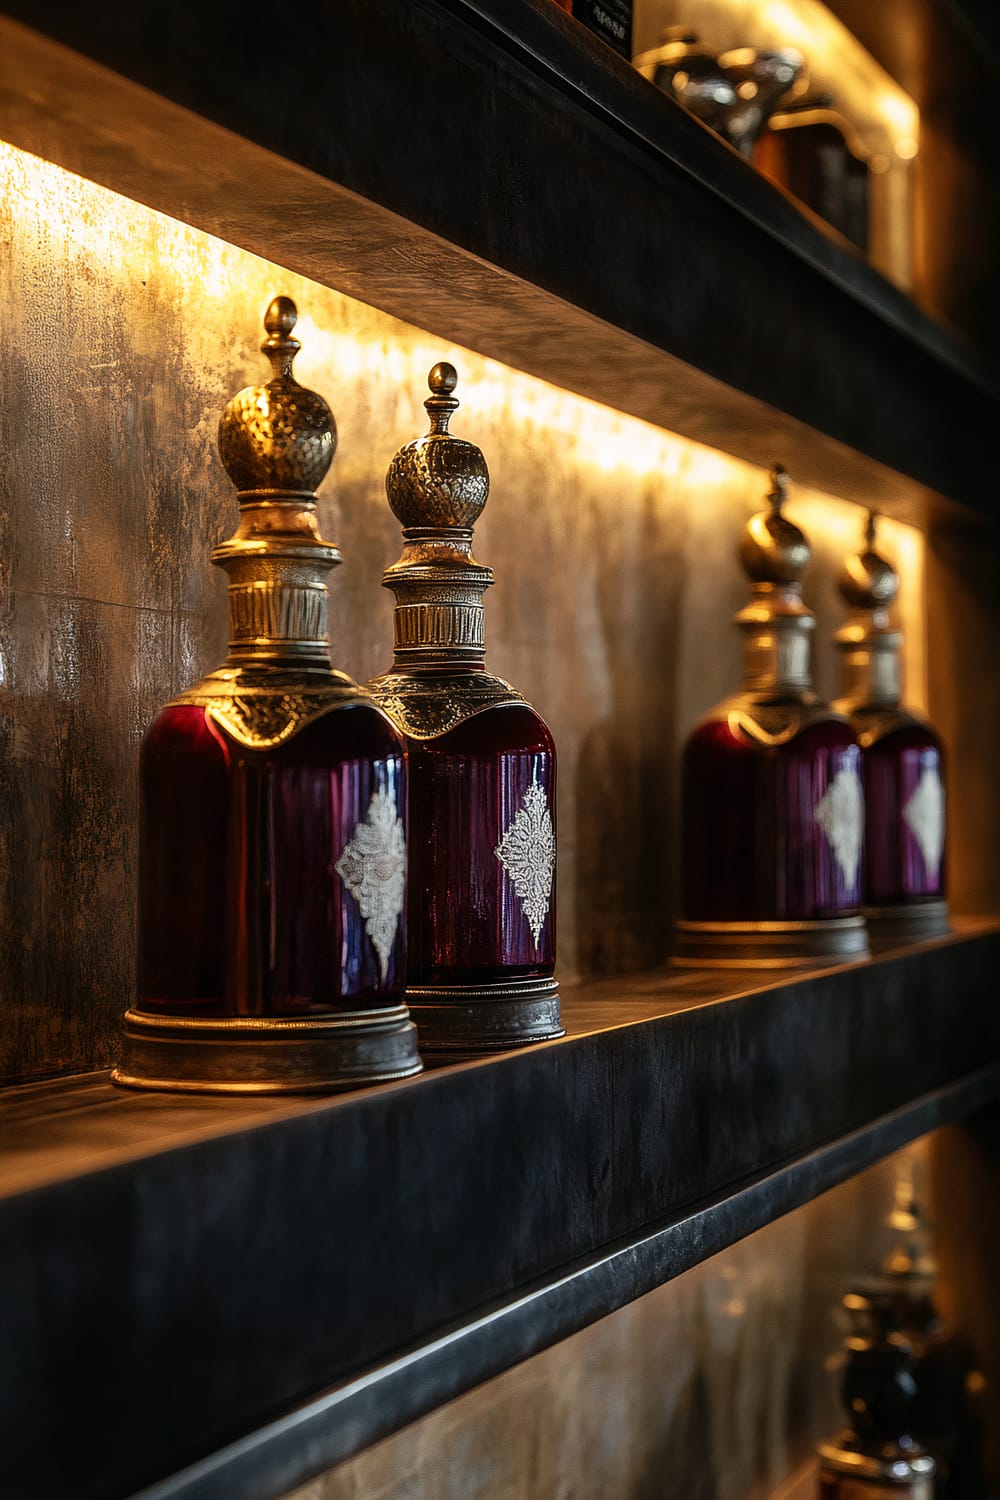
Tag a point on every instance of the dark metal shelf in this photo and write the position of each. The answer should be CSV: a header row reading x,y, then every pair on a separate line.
x,y
258,1289
489,171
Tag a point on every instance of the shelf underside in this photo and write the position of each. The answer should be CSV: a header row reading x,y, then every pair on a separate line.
x,y
486,170
299,1280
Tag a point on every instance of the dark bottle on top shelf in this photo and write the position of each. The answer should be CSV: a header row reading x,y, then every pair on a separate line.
x,y
901,759
773,807
272,850
482,764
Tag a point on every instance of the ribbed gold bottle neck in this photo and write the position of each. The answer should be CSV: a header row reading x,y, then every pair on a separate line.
x,y
777,641
871,674
438,620
277,564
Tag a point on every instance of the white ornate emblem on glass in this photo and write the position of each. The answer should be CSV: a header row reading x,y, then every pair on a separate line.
x,y
840,812
373,867
924,813
527,852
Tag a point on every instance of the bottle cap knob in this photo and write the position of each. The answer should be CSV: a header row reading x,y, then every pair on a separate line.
x,y
279,436
868,580
439,481
773,550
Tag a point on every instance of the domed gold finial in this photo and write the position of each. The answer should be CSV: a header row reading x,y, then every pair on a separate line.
x,y
772,549
438,482
442,380
279,438
868,580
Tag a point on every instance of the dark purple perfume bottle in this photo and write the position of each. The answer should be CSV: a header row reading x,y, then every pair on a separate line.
x,y
272,857
901,759
773,807
482,766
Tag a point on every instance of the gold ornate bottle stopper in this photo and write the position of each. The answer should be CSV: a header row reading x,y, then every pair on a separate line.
x,y
437,486
276,442
868,584
776,623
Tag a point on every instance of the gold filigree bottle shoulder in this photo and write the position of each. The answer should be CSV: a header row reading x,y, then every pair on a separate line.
x,y
437,486
276,442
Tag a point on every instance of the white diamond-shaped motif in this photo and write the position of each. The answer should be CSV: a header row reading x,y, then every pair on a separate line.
x,y
840,812
527,852
373,867
924,812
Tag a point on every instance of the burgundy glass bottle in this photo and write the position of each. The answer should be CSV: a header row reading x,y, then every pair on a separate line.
x,y
901,758
482,767
773,811
272,851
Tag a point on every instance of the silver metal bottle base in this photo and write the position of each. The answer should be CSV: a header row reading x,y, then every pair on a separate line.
x,y
910,1475
769,945
258,1055
461,1021
908,922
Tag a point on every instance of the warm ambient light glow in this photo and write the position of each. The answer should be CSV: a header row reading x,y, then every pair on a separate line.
x,y
884,121
132,270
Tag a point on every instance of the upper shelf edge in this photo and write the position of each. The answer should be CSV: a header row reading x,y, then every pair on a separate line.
x,y
422,157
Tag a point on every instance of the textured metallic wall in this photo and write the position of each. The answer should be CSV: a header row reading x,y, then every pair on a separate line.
x,y
123,334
